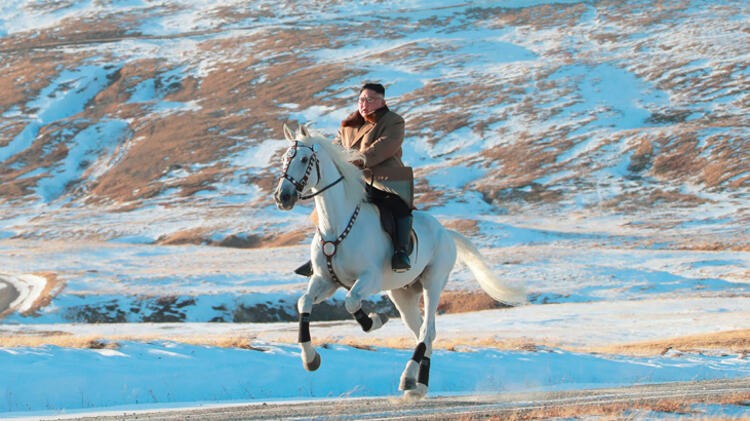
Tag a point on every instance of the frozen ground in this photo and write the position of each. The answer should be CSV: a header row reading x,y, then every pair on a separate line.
x,y
596,152
584,298
166,374
595,284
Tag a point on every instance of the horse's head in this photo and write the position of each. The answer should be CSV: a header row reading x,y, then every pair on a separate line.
x,y
301,169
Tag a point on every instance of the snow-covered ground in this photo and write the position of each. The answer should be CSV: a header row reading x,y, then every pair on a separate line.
x,y
158,373
636,243
619,296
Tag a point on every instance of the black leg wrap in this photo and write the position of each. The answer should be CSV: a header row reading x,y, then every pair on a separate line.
x,y
304,328
363,319
424,371
419,352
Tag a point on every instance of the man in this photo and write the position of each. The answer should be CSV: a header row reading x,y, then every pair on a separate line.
x,y
378,133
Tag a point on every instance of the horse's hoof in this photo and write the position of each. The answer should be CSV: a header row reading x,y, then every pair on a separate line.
x,y
417,393
314,364
378,320
407,384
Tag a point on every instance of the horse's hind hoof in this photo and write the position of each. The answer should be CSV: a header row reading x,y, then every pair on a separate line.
x,y
417,393
314,364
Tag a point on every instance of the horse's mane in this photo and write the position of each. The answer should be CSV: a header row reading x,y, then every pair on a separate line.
x,y
342,158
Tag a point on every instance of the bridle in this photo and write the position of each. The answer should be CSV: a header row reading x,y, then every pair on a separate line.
x,y
329,248
300,185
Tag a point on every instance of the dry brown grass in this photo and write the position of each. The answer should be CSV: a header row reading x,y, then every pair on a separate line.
x,y
631,202
255,71
679,159
464,226
190,236
713,246
203,236
233,105
536,17
466,301
18,84
285,239
60,339
625,410
734,341
68,340
465,343
524,161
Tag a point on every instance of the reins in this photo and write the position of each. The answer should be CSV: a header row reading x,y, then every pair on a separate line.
x,y
310,196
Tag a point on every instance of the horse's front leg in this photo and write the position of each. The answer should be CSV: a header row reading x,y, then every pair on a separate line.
x,y
318,289
368,284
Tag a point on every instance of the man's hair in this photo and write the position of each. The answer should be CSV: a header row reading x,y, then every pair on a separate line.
x,y
375,87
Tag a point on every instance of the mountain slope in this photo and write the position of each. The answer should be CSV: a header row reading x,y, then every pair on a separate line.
x,y
575,107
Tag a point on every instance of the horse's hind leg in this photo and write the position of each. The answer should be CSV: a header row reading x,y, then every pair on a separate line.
x,y
407,303
318,289
433,282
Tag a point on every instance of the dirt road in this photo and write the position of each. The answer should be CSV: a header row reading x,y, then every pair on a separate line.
x,y
520,405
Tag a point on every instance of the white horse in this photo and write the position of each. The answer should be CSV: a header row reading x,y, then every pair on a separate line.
x,y
351,250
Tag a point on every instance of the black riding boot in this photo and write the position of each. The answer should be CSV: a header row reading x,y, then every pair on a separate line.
x,y
400,261
305,270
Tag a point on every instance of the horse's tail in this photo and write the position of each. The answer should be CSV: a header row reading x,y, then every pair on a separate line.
x,y
497,289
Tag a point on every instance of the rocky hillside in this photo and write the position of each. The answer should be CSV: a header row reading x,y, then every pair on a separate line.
x,y
129,111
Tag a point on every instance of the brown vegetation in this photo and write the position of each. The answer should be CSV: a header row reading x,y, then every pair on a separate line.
x,y
245,241
252,72
632,202
536,17
191,236
713,246
466,301
725,343
464,226
624,410
734,341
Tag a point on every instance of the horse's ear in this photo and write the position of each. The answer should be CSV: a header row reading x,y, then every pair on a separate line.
x,y
288,133
304,130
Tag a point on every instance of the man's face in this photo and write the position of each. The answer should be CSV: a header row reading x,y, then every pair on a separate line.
x,y
369,102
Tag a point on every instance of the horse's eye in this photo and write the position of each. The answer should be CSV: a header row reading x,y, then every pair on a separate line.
x,y
304,160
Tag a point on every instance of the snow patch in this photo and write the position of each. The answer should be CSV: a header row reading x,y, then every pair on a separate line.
x,y
29,288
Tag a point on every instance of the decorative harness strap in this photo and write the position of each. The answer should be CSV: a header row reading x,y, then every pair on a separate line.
x,y
329,247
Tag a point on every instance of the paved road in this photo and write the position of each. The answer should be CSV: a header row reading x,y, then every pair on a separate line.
x,y
8,294
446,408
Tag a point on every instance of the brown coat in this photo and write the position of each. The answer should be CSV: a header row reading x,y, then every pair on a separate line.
x,y
380,142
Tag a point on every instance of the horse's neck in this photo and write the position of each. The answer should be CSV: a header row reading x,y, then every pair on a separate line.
x,y
334,208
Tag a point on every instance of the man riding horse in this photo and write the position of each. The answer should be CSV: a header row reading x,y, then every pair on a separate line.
x,y
378,133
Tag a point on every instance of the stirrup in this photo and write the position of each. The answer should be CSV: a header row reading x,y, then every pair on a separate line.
x,y
400,262
305,270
